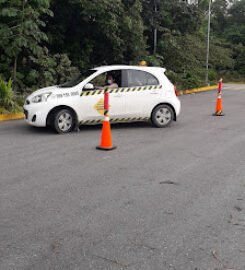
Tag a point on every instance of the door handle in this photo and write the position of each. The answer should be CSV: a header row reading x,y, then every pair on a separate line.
x,y
154,93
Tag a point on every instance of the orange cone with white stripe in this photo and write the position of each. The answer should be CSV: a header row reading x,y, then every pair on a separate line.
x,y
219,107
106,137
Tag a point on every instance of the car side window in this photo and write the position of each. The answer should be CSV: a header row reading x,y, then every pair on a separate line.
x,y
133,78
100,82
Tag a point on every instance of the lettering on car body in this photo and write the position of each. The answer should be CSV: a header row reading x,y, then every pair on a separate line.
x,y
67,94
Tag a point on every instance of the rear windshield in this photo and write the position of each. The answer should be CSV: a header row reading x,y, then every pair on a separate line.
x,y
82,76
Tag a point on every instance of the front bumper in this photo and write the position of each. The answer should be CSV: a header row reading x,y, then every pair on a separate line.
x,y
36,115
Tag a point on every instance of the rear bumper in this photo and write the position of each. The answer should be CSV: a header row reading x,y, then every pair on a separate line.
x,y
177,107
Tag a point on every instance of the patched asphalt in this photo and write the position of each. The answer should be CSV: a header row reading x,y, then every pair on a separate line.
x,y
165,199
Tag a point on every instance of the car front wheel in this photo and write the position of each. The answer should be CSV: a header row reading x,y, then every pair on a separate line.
x,y
162,116
63,121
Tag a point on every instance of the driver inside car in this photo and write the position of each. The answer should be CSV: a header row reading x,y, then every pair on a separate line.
x,y
110,82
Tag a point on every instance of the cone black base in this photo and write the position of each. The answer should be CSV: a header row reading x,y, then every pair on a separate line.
x,y
218,114
105,148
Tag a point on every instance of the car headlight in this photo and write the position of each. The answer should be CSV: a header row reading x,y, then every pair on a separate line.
x,y
41,98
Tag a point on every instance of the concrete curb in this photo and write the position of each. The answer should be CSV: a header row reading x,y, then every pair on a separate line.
x,y
11,116
196,90
235,83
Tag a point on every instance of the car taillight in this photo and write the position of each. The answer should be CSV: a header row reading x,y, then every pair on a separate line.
x,y
175,90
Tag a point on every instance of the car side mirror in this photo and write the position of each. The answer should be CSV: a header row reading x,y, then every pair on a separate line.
x,y
88,86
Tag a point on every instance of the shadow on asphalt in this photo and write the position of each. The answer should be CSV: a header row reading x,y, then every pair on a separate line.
x,y
84,128
39,130
117,126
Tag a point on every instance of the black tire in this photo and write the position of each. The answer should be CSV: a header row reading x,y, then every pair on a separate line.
x,y
63,121
162,116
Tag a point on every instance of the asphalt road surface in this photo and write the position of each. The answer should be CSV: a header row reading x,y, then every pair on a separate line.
x,y
165,199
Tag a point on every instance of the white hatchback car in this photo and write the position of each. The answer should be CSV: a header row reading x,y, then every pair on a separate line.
x,y
143,94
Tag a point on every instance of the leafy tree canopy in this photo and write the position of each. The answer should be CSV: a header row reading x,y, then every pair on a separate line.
x,y
45,42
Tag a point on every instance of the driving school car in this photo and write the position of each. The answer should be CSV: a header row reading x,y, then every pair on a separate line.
x,y
142,94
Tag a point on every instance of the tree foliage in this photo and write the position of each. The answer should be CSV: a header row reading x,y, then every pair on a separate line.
x,y
45,42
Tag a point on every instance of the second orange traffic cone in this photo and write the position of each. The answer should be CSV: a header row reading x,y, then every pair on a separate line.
x,y
106,137
219,108
219,111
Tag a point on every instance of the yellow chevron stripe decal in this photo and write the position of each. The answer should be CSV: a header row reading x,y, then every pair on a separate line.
x,y
122,90
115,120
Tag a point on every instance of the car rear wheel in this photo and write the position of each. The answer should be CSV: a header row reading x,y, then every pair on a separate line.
x,y
63,121
162,116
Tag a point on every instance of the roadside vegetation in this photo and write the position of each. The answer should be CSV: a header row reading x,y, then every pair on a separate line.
x,y
45,42
9,103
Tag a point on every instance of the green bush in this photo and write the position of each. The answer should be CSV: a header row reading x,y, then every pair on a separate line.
x,y
20,100
6,93
7,100
3,110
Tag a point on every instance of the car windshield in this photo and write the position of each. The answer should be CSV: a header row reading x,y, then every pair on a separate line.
x,y
78,79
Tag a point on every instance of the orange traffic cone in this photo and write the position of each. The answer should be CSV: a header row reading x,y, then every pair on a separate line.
x,y
106,137
219,110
